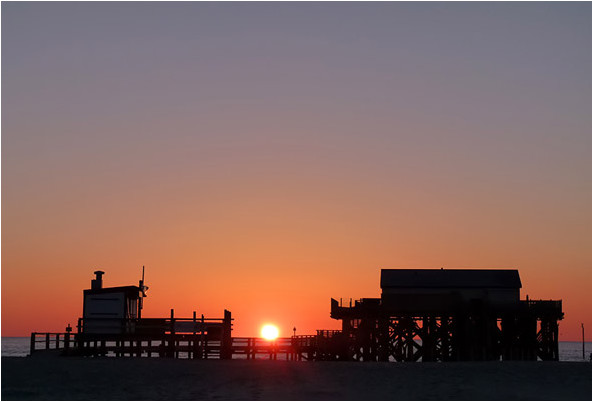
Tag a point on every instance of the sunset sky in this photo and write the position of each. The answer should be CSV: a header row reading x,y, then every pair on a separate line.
x,y
265,157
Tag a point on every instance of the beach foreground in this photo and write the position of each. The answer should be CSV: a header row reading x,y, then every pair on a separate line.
x,y
159,379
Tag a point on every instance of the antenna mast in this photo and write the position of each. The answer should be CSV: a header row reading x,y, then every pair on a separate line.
x,y
143,290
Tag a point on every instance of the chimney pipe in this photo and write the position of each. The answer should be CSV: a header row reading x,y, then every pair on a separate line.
x,y
97,283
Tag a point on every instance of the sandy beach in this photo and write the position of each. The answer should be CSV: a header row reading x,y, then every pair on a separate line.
x,y
158,379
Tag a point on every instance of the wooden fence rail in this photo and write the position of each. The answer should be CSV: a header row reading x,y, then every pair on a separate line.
x,y
190,346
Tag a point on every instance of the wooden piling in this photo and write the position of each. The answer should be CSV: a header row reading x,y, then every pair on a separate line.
x,y
226,339
32,344
202,345
171,348
67,342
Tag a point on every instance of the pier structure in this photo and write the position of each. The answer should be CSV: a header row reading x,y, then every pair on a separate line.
x,y
301,347
112,324
422,315
196,337
447,315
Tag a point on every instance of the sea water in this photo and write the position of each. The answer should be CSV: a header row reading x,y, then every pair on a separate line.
x,y
569,351
13,346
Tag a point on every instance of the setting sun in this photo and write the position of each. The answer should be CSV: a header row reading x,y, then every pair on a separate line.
x,y
269,332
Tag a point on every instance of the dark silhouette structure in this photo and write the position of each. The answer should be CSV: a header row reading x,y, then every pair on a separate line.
x,y
422,314
109,310
111,324
443,315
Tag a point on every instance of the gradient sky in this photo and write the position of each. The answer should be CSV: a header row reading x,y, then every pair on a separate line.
x,y
264,157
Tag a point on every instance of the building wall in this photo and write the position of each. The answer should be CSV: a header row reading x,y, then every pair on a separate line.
x,y
494,296
103,313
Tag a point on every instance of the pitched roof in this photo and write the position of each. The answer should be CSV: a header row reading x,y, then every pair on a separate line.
x,y
450,278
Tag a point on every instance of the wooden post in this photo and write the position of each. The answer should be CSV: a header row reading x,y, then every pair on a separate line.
x,y
194,321
202,347
163,348
47,341
32,346
556,352
583,334
67,338
191,352
149,348
57,341
226,348
171,349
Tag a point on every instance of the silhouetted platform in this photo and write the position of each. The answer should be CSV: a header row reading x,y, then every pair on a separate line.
x,y
422,315
445,315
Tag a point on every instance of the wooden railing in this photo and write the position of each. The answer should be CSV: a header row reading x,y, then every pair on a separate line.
x,y
178,345
544,308
51,340
259,348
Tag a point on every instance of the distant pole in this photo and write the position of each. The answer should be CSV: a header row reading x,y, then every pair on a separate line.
x,y
294,331
583,333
